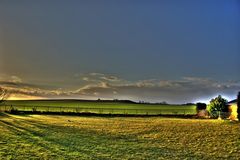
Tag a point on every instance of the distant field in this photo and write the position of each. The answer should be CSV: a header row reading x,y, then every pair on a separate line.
x,y
100,107
73,137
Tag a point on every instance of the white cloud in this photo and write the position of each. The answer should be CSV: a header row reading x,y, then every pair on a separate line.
x,y
98,77
16,79
96,74
110,78
86,79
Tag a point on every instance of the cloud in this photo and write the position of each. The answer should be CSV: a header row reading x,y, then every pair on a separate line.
x,y
110,78
12,78
98,77
96,74
186,89
16,79
16,87
86,79
91,89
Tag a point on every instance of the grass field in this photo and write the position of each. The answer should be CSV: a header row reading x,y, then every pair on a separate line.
x,y
72,137
102,107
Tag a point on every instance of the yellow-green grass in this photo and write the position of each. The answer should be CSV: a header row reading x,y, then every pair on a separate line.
x,y
100,107
72,137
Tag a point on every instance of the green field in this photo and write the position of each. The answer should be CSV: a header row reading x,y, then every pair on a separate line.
x,y
73,137
99,107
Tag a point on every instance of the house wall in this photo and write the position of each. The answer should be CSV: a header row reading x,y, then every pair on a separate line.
x,y
233,112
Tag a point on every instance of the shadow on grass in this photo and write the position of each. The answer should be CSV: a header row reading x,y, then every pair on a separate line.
x,y
4,115
63,141
49,140
90,114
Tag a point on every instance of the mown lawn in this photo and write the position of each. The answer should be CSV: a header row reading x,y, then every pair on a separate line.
x,y
72,137
98,107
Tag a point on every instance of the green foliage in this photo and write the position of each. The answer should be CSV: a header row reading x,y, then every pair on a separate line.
x,y
217,104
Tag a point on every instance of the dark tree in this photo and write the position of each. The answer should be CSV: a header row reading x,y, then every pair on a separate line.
x,y
238,105
201,106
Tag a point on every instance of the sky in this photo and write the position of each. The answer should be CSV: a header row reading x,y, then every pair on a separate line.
x,y
149,50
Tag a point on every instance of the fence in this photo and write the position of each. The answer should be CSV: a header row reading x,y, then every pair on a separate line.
x,y
83,109
218,114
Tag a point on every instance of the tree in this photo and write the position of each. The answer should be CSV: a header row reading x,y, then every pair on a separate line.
x,y
217,105
201,110
201,106
238,105
3,95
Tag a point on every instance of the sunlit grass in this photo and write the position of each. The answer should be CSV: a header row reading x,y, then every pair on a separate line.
x,y
100,107
72,137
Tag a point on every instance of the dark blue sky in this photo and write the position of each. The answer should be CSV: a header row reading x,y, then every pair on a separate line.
x,y
58,43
